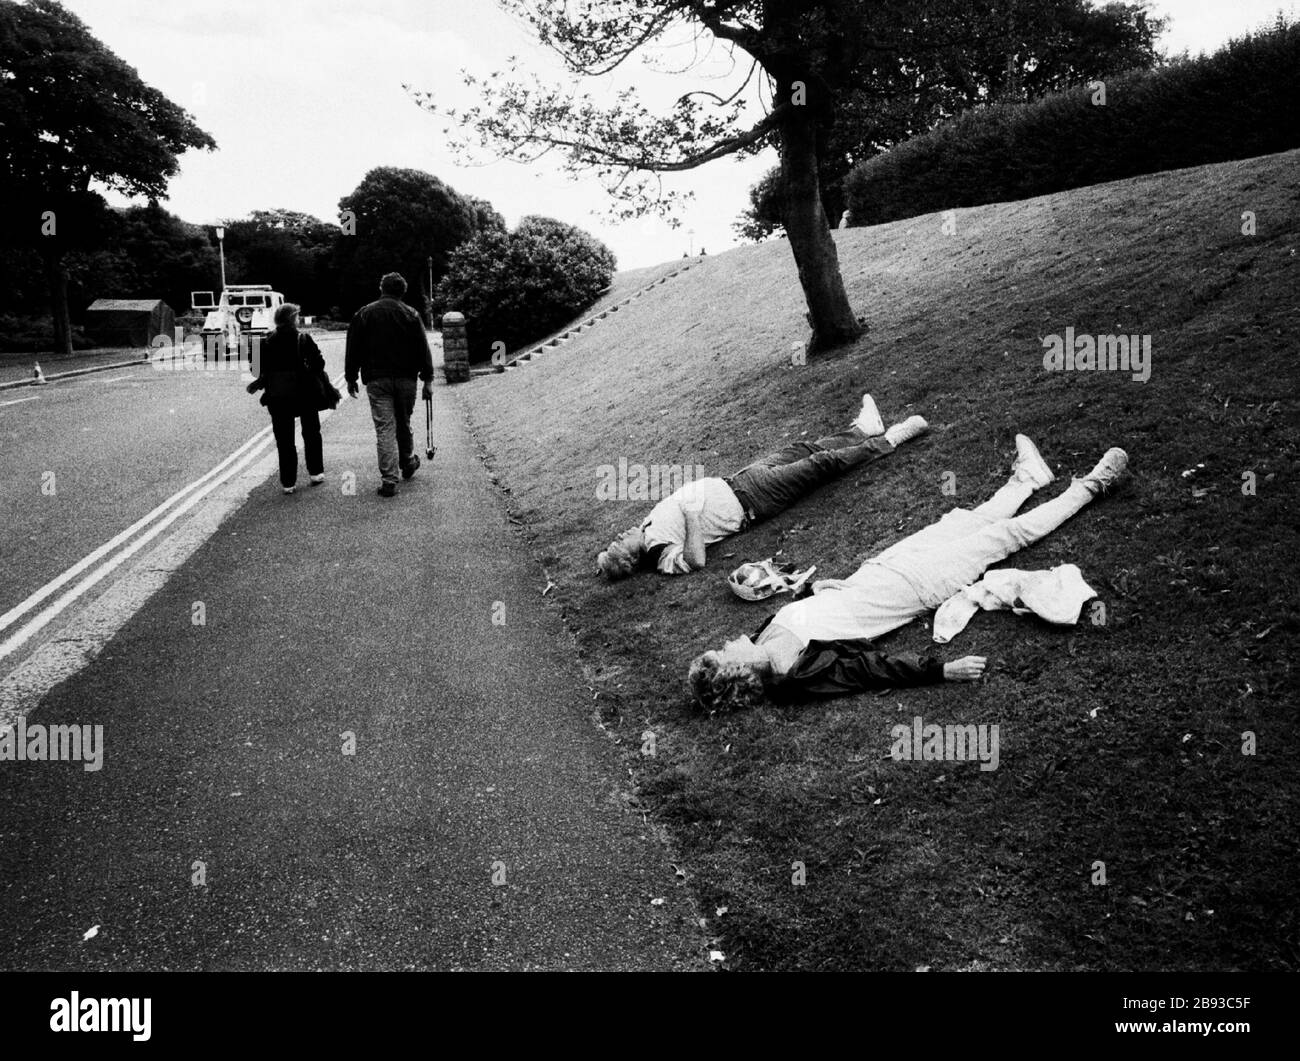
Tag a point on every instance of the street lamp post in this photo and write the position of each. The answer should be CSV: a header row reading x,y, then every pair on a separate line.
x,y
221,249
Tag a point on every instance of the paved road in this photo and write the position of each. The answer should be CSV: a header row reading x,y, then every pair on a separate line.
x,y
330,613
118,443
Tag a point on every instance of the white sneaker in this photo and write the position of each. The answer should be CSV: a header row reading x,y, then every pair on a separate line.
x,y
1107,472
316,480
908,429
868,421
287,489
1030,466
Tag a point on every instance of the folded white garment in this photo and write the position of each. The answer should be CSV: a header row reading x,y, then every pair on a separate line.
x,y
1056,595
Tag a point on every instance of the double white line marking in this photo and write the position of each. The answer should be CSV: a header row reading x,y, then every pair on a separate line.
x,y
156,521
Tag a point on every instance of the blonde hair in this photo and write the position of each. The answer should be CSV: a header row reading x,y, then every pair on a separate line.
x,y
617,561
286,313
725,686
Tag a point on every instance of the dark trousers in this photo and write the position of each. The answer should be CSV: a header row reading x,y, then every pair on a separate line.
x,y
282,427
776,482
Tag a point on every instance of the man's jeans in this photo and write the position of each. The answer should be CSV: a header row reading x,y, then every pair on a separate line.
x,y
776,482
391,403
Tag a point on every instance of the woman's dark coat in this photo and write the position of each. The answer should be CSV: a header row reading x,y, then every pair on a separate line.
x,y
288,361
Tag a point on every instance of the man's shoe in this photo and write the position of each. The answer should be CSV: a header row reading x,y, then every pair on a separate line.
x,y
1107,472
868,421
908,429
287,489
1030,466
388,490
411,468
316,480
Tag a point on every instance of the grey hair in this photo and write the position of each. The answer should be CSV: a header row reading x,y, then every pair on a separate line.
x,y
726,686
621,556
616,562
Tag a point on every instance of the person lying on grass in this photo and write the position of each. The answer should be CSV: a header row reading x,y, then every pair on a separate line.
x,y
821,645
672,539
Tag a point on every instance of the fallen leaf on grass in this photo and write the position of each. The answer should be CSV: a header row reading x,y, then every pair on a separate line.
x,y
91,933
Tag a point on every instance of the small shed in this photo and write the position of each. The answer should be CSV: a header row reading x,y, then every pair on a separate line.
x,y
128,321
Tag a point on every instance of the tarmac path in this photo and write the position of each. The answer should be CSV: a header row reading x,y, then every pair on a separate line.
x,y
476,823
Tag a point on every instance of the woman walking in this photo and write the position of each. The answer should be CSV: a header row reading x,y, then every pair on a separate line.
x,y
289,362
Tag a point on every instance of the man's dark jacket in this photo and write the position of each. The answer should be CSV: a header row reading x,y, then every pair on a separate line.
x,y
387,339
837,668
286,360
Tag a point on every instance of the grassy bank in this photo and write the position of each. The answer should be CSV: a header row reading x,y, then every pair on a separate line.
x,y
1120,743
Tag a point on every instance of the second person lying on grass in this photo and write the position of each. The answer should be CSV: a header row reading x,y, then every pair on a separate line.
x,y
673,538
820,646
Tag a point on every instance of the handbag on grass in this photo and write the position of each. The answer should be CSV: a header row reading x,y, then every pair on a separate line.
x,y
764,578
322,393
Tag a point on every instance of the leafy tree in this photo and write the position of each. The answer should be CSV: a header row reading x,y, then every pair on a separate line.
x,y
812,54
486,219
147,252
291,251
402,218
22,280
1042,47
75,115
517,287
767,205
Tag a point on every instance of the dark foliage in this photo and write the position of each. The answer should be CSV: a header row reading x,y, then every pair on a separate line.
x,y
517,287
1237,103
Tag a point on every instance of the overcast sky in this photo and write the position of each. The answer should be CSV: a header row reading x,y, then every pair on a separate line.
x,y
305,96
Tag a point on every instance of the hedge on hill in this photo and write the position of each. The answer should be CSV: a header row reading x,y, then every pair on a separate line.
x,y
1237,103
518,287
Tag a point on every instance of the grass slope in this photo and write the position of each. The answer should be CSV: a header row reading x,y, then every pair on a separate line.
x,y
624,285
1120,743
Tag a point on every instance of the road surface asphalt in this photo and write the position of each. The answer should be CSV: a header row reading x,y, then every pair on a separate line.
x,y
478,824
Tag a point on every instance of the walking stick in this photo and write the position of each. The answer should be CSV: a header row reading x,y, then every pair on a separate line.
x,y
430,449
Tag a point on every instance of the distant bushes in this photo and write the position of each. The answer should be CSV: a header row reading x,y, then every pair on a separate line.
x,y
520,286
1238,103
34,335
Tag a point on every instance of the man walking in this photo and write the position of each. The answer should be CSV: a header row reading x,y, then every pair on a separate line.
x,y
388,346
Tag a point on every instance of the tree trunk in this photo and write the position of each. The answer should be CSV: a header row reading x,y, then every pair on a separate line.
x,y
829,312
56,276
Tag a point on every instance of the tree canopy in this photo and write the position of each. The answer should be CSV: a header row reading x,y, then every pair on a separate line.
x,y
1042,47
291,251
395,221
805,60
76,117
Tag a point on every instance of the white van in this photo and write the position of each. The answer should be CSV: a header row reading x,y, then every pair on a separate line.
x,y
244,310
